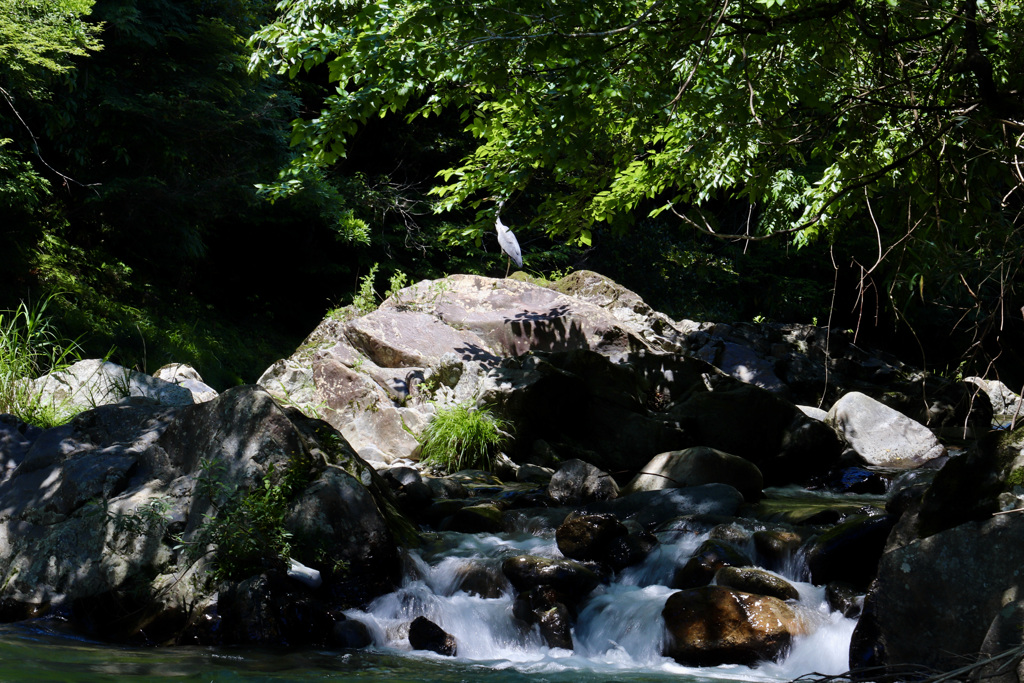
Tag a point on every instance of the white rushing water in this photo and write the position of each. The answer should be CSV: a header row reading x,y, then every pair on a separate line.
x,y
619,626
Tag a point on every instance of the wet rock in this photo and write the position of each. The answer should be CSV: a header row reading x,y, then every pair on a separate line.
x,y
340,523
844,598
476,519
756,581
850,551
715,625
651,508
588,537
426,635
711,556
578,482
856,480
696,466
481,579
542,606
881,435
567,577
602,538
776,547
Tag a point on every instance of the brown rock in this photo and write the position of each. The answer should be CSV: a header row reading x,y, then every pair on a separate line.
x,y
716,625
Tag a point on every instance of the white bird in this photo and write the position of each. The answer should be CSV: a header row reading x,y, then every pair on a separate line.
x,y
507,241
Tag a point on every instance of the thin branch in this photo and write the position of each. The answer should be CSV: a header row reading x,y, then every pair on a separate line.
x,y
35,145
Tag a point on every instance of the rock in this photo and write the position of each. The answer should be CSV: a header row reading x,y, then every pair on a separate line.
x,y
948,588
882,436
426,635
476,519
766,429
342,530
746,365
16,438
187,377
569,578
855,480
696,466
446,487
94,510
850,551
483,579
813,412
92,383
776,546
844,598
601,538
349,633
715,625
578,482
541,606
956,409
1004,401
651,508
702,566
270,610
756,581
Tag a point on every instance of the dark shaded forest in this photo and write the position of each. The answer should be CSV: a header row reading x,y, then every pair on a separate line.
x,y
200,181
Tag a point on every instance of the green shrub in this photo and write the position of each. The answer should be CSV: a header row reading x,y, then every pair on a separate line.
x,y
30,347
462,437
247,526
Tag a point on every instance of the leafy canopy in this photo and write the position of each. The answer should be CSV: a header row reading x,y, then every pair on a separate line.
x,y
800,106
901,121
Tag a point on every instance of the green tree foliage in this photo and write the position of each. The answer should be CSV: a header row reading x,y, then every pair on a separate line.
x,y
39,40
898,122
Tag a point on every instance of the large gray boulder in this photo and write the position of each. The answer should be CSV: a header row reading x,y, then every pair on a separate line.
x,y
943,600
1005,402
696,466
881,435
94,382
95,510
377,377
583,366
188,377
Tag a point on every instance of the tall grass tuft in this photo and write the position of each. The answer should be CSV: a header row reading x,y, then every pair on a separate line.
x,y
462,437
30,347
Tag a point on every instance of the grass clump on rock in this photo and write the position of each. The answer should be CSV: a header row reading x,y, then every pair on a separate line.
x,y
462,437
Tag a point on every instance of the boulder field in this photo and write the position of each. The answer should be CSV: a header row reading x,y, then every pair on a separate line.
x,y
164,513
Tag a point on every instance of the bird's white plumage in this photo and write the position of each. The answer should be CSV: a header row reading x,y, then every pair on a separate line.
x,y
508,242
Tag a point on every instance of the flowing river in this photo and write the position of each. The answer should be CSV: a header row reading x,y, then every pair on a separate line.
x,y
618,634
